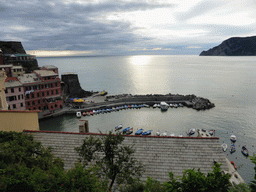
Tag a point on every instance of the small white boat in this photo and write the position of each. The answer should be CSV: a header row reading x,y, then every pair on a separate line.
x,y
78,114
164,134
191,131
171,105
164,106
224,147
233,138
118,127
145,105
157,133
155,106
180,135
172,134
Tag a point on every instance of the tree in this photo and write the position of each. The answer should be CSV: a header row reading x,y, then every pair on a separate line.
x,y
197,181
253,183
115,161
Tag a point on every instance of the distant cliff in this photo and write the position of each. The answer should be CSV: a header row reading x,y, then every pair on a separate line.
x,y
235,46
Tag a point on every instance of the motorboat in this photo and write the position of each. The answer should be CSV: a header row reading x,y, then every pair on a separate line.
x,y
224,147
171,105
145,105
164,106
181,135
147,132
91,112
232,148
245,151
78,114
139,132
84,113
157,133
233,138
172,134
118,127
191,131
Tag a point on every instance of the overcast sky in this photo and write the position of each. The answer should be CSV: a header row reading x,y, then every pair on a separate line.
x,y
122,27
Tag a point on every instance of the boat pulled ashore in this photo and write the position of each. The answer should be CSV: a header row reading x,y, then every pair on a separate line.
x,y
78,114
232,148
164,106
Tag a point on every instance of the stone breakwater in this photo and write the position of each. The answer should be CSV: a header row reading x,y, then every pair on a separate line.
x,y
104,102
193,101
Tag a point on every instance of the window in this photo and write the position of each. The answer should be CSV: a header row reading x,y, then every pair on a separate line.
x,y
12,90
39,101
52,92
14,106
38,87
27,88
37,94
28,103
42,86
6,90
51,85
56,84
11,98
32,95
57,91
21,104
43,94
19,89
22,97
47,92
27,96
46,86
33,102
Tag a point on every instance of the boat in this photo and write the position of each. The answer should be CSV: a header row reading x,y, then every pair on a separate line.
x,y
233,163
164,106
233,138
139,132
147,132
78,114
245,151
91,112
145,105
180,135
126,129
129,131
157,133
118,127
211,132
191,131
224,147
164,134
232,148
171,105
155,105
84,113
172,134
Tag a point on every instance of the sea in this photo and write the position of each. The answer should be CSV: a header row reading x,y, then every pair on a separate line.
x,y
228,82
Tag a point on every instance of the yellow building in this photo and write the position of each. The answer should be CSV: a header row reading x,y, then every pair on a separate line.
x,y
15,120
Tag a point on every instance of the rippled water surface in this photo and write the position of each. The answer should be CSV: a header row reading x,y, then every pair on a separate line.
x,y
229,82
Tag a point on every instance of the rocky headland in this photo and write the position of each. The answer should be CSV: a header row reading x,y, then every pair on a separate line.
x,y
235,46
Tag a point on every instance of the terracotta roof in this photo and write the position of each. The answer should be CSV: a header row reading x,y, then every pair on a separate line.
x,y
11,79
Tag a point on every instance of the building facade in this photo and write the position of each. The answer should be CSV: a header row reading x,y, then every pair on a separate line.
x,y
3,103
14,93
42,90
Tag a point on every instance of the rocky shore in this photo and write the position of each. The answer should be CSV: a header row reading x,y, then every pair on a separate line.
x,y
98,101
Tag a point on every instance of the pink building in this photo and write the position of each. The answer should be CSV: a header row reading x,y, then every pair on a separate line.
x,y
14,94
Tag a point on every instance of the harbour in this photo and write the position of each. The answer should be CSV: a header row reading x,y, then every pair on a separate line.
x,y
225,81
